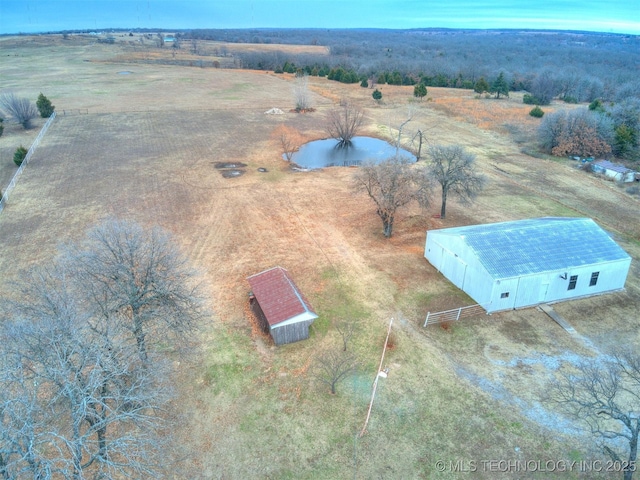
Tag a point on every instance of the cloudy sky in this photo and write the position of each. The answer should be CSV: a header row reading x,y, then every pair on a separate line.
x,y
618,16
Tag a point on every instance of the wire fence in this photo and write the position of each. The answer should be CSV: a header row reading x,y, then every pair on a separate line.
x,y
14,179
77,111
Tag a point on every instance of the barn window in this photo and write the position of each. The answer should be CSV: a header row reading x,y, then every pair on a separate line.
x,y
594,279
504,295
573,279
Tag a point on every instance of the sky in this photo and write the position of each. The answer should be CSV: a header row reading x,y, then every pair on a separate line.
x,y
31,16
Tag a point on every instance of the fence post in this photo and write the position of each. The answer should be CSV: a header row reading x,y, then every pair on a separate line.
x,y
427,320
458,315
34,145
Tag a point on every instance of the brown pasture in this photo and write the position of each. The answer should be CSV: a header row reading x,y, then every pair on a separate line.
x,y
144,146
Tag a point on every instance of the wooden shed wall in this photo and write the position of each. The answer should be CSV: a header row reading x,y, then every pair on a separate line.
x,y
257,311
291,333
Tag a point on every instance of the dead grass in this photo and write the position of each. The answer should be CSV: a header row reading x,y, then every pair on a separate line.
x,y
147,151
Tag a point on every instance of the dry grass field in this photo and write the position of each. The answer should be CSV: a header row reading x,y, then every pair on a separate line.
x,y
143,145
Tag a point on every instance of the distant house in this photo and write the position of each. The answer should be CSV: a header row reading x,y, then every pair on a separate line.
x,y
618,172
280,307
523,263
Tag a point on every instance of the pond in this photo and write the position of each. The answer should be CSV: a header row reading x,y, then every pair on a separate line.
x,y
326,153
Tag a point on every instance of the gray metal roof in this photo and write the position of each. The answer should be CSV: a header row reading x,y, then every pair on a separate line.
x,y
523,247
614,167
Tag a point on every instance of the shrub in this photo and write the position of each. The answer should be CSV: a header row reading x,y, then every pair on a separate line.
x,y
596,105
19,155
44,106
536,112
377,95
364,83
530,99
569,99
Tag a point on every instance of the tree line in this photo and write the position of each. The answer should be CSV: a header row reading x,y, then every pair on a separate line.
x,y
583,66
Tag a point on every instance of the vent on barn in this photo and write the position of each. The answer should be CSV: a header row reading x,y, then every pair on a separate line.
x,y
280,307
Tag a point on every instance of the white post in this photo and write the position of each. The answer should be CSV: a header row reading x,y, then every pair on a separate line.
x,y
375,383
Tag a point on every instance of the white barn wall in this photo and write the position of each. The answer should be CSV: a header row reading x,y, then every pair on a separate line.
x,y
458,262
468,275
546,287
495,302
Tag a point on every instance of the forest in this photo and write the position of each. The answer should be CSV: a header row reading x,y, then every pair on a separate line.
x,y
584,66
572,67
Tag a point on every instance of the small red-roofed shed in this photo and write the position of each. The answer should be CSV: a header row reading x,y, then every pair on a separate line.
x,y
282,310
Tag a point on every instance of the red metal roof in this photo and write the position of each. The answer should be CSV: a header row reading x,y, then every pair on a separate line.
x,y
278,296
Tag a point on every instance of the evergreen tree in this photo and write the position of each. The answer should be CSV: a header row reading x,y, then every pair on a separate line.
x,y
377,95
44,106
500,86
19,155
420,91
481,86
624,141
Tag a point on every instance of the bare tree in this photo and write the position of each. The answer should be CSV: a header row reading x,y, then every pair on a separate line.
x,y
544,87
333,366
604,395
75,400
343,123
289,139
139,277
405,121
455,170
301,93
21,110
346,329
392,184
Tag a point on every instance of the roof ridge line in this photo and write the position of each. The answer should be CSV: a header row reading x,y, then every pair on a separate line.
x,y
295,290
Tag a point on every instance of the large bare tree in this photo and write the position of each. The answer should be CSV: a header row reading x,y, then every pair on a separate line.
x,y
455,170
604,395
75,400
21,110
343,123
138,277
392,184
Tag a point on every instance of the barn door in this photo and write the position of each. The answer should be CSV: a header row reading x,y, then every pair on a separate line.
x,y
454,269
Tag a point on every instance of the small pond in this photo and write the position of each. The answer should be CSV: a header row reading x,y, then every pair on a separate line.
x,y
326,153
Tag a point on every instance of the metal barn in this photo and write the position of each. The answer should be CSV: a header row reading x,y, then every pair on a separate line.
x,y
280,307
618,172
511,265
